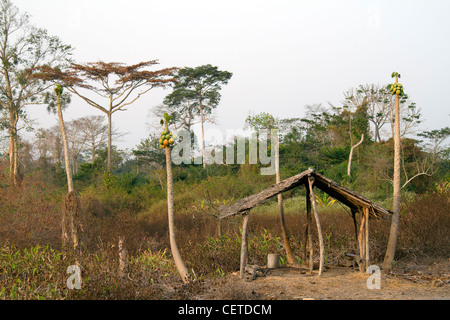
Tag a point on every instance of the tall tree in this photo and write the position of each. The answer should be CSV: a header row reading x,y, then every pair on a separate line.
x,y
200,88
377,101
71,201
120,85
380,108
437,137
266,121
23,47
116,83
181,267
95,132
397,91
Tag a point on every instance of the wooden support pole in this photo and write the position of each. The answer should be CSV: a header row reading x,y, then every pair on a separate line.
x,y
356,228
309,228
122,257
319,228
366,214
244,246
362,242
287,247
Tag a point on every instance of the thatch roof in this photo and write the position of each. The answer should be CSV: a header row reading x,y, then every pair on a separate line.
x,y
351,199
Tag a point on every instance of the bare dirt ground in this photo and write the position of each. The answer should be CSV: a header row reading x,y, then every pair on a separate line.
x,y
412,282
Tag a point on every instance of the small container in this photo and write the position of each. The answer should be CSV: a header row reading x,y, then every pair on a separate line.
x,y
273,261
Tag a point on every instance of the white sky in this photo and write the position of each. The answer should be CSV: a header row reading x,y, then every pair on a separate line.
x,y
283,54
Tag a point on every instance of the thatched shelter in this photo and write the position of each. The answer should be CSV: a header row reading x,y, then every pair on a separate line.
x,y
310,179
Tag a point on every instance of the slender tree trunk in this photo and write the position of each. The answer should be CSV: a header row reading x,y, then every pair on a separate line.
x,y
71,201
362,243
13,119
66,146
12,157
13,152
319,228
182,270
93,153
244,246
219,228
355,224
109,115
366,213
122,257
377,134
203,136
309,229
287,246
390,251
349,167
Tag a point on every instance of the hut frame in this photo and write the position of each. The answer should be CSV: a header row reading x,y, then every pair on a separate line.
x,y
367,209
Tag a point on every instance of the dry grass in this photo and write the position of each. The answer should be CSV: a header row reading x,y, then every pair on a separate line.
x,y
32,265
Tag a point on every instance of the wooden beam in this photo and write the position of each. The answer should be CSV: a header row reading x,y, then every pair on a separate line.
x,y
349,198
243,205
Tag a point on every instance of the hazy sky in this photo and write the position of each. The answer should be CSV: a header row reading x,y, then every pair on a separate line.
x,y
283,54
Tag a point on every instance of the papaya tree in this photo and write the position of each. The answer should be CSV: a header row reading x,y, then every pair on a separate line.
x,y
397,90
71,204
23,47
56,103
166,141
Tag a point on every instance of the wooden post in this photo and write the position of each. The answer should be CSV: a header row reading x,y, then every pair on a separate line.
x,y
244,246
319,228
366,213
122,257
362,242
287,247
356,228
309,228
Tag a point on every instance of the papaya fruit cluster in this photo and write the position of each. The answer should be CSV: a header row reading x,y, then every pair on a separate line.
x,y
166,139
397,88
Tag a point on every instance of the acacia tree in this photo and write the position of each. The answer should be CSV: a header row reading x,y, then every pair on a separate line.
x,y
23,47
200,88
116,83
120,85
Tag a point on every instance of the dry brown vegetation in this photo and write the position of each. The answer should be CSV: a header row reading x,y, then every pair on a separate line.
x,y
33,266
